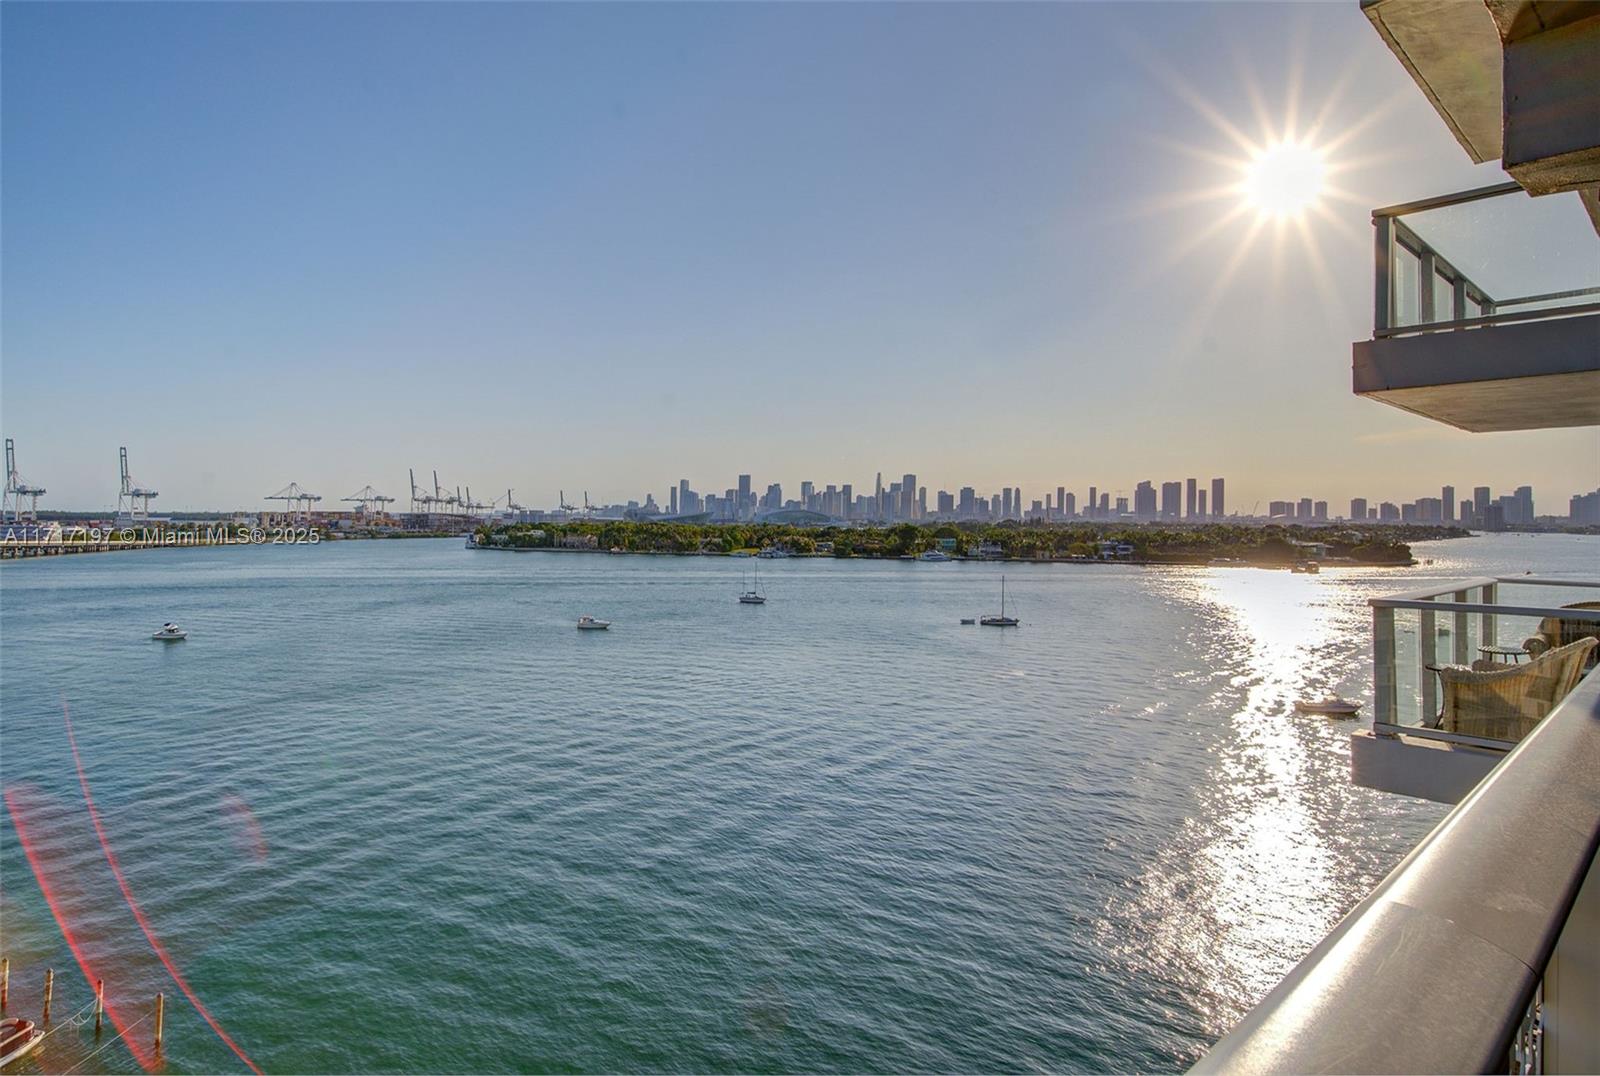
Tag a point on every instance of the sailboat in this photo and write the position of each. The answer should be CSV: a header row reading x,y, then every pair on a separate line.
x,y
1000,621
753,596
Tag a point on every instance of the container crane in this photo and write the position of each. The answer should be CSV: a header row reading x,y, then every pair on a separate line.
x,y
17,488
133,498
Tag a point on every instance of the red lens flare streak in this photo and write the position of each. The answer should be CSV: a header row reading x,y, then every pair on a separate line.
x,y
138,913
22,820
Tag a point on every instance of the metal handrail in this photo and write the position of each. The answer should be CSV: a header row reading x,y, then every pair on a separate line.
x,y
1543,314
1440,201
1435,969
1455,586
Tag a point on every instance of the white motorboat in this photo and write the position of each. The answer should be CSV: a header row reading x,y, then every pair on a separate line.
x,y
773,552
1000,620
1334,707
934,555
170,633
18,1039
589,623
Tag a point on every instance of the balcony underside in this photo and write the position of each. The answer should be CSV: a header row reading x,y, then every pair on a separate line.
x,y
1531,376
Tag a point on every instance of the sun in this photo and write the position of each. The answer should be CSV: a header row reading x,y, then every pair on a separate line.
x,y
1284,179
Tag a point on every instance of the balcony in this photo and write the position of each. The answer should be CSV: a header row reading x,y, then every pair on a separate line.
x,y
1486,311
1428,738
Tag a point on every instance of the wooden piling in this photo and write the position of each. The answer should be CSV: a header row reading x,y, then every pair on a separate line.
x,y
99,1003
5,982
161,1008
49,989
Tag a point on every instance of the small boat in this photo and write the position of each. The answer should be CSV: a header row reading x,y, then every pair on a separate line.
x,y
773,552
1334,707
18,1039
753,595
969,620
170,633
934,555
1000,620
1308,567
589,623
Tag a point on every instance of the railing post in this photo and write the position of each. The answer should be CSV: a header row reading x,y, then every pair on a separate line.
x,y
1463,656
1383,685
1426,314
1491,596
1383,286
1428,654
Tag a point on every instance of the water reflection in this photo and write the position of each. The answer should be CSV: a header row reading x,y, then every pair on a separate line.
x,y
1253,880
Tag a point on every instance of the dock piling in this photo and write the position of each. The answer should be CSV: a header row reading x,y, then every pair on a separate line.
x,y
161,1007
99,1003
5,982
49,989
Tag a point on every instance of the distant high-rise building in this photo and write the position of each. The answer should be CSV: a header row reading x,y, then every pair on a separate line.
x,y
808,493
774,497
1093,503
1122,506
746,500
1016,500
1388,512
1358,508
1319,511
1216,497
1305,509
967,506
947,503
1005,502
1410,513
1493,516
1069,507
994,507
847,498
1171,493
1144,501
672,501
908,497
1280,510
1584,508
683,497
1105,504
1482,497
1429,510
1447,504
1061,502
877,498
1203,512
1524,504
1190,485
922,502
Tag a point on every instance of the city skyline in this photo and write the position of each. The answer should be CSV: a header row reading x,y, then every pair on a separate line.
x,y
648,246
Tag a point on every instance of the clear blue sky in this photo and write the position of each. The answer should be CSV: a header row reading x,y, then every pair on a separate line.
x,y
606,246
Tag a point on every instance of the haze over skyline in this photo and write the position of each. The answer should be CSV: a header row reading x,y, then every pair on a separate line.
x,y
608,247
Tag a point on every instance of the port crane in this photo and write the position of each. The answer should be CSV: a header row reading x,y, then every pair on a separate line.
x,y
563,505
370,500
17,488
133,498
295,500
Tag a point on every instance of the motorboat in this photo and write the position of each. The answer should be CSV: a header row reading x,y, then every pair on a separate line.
x,y
773,552
969,620
1000,620
1308,567
1333,707
589,623
934,555
170,633
18,1039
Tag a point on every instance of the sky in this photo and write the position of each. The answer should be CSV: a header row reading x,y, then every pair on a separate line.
x,y
603,247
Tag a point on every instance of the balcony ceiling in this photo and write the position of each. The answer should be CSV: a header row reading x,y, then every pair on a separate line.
x,y
1452,50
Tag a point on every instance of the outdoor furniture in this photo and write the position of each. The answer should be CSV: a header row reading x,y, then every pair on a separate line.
x,y
1558,631
1504,702
1515,653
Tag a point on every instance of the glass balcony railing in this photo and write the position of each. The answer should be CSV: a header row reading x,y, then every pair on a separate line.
x,y
1480,258
1431,646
